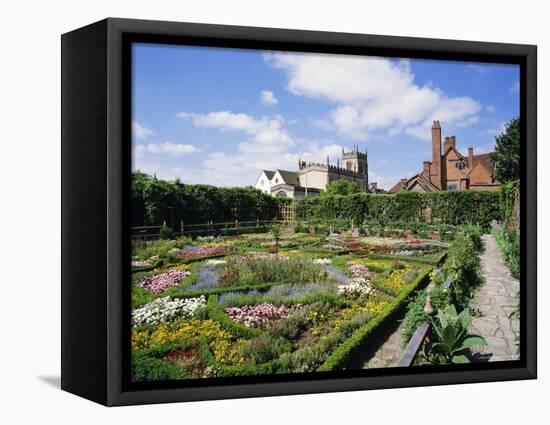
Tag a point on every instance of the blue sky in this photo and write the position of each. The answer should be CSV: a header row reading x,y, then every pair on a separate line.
x,y
219,116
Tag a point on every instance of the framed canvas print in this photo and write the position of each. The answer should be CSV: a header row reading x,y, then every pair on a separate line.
x,y
252,212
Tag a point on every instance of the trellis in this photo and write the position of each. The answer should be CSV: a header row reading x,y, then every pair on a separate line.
x,y
287,212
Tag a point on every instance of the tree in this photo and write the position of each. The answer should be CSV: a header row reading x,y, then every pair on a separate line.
x,y
341,187
506,154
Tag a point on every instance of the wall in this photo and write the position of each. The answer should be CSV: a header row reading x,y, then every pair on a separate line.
x,y
315,178
31,161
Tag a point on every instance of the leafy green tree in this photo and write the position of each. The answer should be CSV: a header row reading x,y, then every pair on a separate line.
x,y
506,154
341,187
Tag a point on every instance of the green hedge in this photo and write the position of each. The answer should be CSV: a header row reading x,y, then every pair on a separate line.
x,y
216,313
508,198
155,200
339,357
221,290
411,259
447,207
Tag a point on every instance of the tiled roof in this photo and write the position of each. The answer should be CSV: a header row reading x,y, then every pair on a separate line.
x,y
486,160
419,179
290,177
269,173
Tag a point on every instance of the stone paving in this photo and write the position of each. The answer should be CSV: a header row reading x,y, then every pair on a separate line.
x,y
389,353
492,307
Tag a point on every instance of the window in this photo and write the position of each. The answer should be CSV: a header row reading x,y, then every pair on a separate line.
x,y
281,194
262,182
452,186
460,165
276,180
348,165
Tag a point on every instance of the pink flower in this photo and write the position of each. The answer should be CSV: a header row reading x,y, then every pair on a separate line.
x,y
260,315
160,282
201,252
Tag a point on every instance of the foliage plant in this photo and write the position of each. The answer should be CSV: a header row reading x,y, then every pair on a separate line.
x,y
248,271
452,340
341,187
462,267
508,242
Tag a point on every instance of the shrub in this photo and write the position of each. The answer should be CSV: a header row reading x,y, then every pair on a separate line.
x,y
264,348
166,233
148,369
462,266
248,270
414,317
508,242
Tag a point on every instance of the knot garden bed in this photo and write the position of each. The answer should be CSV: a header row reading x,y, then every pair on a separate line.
x,y
232,307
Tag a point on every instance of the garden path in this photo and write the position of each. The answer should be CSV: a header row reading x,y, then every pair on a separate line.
x,y
493,305
389,353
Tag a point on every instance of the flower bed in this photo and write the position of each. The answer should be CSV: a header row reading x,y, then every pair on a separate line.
x,y
201,253
263,313
158,283
260,315
166,309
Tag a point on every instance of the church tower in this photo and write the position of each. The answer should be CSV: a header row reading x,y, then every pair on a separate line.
x,y
359,163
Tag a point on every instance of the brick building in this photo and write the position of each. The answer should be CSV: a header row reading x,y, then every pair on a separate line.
x,y
450,170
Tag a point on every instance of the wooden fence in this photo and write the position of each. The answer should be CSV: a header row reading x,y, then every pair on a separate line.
x,y
417,340
205,229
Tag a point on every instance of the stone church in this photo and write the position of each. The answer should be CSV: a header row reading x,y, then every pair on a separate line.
x,y
450,170
311,178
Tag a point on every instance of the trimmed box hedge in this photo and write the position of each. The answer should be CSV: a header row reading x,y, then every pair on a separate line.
x,y
341,355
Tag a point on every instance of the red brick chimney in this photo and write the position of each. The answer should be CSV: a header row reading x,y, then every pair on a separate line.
x,y
426,170
471,157
435,168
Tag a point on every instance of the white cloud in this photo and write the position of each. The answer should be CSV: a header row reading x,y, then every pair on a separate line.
x,y
267,132
172,149
371,94
482,69
491,108
140,131
387,181
514,88
501,128
268,98
322,124
266,145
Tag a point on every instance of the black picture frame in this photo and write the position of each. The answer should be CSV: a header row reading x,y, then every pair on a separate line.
x,y
96,143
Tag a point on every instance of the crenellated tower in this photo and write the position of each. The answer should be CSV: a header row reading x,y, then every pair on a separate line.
x,y
357,162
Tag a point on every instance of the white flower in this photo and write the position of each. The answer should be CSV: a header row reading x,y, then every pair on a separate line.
x,y
322,261
213,262
166,309
356,288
